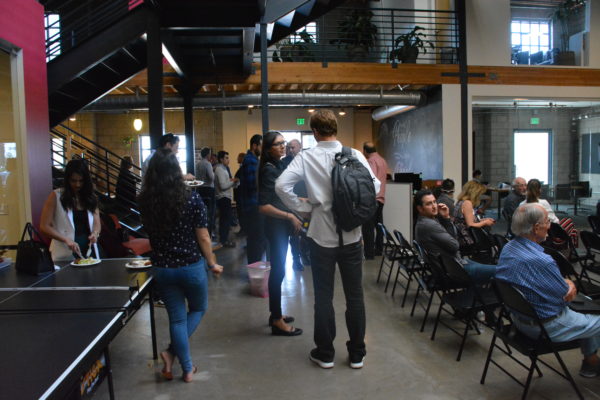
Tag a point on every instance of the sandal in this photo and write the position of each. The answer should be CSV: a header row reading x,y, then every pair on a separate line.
x,y
187,378
167,374
276,331
286,318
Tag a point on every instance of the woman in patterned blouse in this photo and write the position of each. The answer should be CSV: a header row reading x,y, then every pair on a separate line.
x,y
176,221
280,223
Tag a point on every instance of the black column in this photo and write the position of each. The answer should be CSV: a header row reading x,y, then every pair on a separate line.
x,y
264,79
188,119
461,18
156,122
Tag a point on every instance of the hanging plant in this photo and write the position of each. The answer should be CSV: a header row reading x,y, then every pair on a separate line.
x,y
127,141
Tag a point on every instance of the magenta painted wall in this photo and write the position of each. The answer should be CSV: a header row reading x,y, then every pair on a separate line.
x,y
22,25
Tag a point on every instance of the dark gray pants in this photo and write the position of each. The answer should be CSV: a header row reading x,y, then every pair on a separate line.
x,y
349,260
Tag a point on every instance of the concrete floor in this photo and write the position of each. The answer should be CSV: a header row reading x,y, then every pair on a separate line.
x,y
239,359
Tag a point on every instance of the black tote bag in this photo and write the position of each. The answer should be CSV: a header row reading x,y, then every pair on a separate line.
x,y
33,256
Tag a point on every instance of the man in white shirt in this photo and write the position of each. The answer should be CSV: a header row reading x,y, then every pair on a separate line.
x,y
314,167
224,185
204,173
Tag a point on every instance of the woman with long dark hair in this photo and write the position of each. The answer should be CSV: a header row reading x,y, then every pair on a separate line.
x,y
280,223
176,221
70,216
534,194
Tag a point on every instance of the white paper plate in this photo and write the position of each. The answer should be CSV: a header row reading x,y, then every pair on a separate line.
x,y
98,261
133,266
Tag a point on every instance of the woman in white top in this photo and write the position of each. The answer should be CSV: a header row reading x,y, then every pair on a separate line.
x,y
534,191
70,215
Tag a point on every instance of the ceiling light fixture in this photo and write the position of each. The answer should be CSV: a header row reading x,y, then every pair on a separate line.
x,y
311,110
342,112
137,124
72,118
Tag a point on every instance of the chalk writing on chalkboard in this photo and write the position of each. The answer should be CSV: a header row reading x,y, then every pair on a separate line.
x,y
412,141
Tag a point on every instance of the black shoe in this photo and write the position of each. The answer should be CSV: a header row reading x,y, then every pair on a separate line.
x,y
287,319
275,331
320,360
356,361
298,265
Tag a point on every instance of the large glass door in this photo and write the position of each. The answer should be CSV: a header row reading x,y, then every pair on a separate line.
x,y
532,155
13,201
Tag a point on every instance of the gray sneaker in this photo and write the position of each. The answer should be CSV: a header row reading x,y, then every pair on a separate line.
x,y
589,371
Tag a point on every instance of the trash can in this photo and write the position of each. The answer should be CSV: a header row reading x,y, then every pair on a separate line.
x,y
259,278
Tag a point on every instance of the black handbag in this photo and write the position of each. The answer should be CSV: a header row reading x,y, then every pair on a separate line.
x,y
33,256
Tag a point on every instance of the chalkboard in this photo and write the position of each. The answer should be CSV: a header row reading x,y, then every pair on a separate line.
x,y
412,141
590,153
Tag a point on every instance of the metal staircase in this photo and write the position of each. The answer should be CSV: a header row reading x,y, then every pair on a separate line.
x,y
104,166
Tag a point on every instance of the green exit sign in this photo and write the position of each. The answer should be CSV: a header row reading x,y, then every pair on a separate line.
x,y
535,121
299,121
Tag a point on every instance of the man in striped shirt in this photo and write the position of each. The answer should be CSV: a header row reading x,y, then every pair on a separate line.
x,y
524,264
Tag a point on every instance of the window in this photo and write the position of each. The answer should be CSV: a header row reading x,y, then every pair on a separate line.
x,y
58,152
533,164
146,149
311,29
52,28
306,138
529,37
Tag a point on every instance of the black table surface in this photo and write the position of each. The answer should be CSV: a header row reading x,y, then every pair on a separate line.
x,y
43,350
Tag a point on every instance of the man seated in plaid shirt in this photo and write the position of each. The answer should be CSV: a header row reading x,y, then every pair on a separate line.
x,y
536,275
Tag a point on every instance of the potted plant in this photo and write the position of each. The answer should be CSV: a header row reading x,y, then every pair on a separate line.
x,y
563,15
406,46
127,142
357,34
295,51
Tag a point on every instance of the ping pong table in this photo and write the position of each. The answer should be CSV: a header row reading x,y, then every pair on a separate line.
x,y
57,327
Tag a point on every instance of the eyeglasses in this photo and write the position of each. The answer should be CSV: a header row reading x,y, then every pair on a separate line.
x,y
280,144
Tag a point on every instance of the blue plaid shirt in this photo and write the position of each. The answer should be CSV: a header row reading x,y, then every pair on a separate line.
x,y
524,264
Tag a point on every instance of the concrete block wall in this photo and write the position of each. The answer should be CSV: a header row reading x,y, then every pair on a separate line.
x,y
493,141
589,125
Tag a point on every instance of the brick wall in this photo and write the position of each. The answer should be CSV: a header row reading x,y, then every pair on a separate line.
x,y
110,130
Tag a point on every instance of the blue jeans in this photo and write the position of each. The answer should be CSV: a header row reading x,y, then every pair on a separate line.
x,y
569,325
480,273
278,234
175,285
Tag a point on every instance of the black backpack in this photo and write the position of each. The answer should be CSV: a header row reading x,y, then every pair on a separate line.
x,y
354,194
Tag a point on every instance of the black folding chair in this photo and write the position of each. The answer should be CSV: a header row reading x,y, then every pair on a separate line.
x,y
499,242
482,250
430,281
465,299
506,331
591,242
582,282
390,254
594,222
408,265
566,244
508,219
